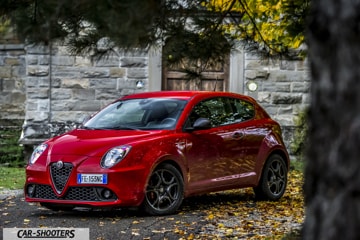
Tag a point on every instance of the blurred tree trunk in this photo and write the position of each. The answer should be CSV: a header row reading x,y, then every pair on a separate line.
x,y
332,178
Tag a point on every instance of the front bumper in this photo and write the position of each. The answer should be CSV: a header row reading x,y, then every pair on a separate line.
x,y
124,187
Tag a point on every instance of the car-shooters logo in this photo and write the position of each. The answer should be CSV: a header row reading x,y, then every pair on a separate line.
x,y
46,233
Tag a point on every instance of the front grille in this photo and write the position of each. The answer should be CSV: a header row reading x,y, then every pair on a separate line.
x,y
60,176
44,191
91,194
82,194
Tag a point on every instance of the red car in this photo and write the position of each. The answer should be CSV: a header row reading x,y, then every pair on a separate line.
x,y
153,149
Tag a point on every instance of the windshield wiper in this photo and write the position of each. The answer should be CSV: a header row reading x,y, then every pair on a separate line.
x,y
87,128
110,128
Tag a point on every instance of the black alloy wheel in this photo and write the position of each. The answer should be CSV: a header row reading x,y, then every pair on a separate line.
x,y
164,192
273,181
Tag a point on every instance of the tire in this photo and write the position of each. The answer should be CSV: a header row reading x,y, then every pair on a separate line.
x,y
273,180
164,192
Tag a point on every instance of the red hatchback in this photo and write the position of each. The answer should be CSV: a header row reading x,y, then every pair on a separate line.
x,y
153,149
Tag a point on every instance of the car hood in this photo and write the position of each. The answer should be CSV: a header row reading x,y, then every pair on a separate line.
x,y
96,142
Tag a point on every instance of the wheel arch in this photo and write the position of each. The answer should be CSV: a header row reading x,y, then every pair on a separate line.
x,y
169,164
182,169
277,151
282,154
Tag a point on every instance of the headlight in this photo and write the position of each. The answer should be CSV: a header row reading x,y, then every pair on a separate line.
x,y
37,152
114,156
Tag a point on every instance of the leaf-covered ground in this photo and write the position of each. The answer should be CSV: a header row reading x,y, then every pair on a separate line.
x,y
236,215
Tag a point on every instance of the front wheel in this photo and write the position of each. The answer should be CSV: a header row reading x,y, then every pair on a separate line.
x,y
273,180
164,192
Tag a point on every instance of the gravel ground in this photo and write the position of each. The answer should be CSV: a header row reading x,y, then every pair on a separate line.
x,y
10,193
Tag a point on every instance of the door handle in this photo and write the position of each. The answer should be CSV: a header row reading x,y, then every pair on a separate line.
x,y
238,135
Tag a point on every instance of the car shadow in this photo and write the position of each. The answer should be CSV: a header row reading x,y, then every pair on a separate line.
x,y
206,201
191,204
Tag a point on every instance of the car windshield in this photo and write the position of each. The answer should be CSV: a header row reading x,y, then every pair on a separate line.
x,y
136,114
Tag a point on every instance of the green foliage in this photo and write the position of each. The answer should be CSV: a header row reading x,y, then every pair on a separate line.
x,y
4,26
11,153
273,27
298,146
182,47
195,35
293,235
84,23
12,178
191,27
298,165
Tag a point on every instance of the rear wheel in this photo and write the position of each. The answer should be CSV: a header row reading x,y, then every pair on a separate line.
x,y
164,192
273,181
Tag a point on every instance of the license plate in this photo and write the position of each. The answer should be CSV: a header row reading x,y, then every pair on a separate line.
x,y
92,178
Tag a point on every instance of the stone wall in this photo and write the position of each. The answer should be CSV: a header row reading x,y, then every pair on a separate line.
x,y
283,89
63,89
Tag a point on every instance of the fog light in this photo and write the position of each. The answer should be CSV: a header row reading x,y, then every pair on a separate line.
x,y
106,194
31,190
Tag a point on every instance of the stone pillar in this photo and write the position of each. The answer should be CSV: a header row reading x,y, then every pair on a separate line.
x,y
12,82
12,99
236,74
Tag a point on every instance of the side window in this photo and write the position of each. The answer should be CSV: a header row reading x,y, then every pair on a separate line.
x,y
201,110
223,111
214,109
243,110
218,113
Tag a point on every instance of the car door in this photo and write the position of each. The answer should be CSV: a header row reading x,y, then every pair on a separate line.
x,y
253,131
214,157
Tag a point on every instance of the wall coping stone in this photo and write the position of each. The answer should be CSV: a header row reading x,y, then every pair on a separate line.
x,y
12,46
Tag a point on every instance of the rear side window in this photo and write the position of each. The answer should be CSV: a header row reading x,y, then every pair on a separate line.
x,y
243,110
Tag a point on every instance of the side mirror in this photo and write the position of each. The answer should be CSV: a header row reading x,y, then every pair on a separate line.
x,y
200,123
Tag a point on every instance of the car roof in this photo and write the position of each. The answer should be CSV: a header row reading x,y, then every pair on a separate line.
x,y
184,95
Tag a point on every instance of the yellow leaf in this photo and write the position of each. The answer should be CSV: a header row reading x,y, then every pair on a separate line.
x,y
191,236
229,231
210,217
